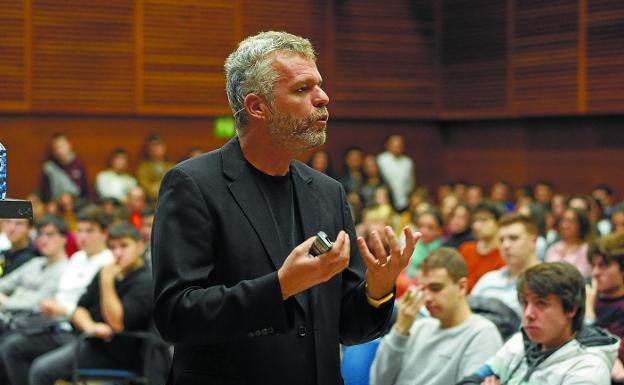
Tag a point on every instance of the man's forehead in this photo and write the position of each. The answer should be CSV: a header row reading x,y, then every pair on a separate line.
x,y
295,67
436,275
514,228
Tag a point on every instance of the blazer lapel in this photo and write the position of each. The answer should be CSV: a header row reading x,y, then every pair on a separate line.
x,y
306,196
248,197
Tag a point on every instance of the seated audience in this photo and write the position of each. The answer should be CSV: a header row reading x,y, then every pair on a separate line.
x,y
517,236
617,220
118,299
606,297
441,349
458,227
372,179
352,177
321,162
430,225
23,290
154,166
574,229
397,170
63,172
500,192
22,248
483,254
136,203
474,195
52,329
553,347
115,182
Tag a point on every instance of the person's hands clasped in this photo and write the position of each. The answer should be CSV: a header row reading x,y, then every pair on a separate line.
x,y
383,268
301,270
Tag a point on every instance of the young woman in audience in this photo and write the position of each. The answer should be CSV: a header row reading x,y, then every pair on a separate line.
x,y
574,230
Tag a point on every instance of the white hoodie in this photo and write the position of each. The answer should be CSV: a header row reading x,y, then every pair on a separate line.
x,y
585,360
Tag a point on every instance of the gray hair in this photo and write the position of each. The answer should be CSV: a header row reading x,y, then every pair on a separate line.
x,y
249,69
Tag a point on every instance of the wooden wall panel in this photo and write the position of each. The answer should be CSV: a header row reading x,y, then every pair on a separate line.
x,y
385,57
13,68
184,45
302,18
545,57
82,55
605,56
473,62
575,153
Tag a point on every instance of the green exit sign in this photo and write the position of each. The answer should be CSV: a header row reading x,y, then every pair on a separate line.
x,y
224,127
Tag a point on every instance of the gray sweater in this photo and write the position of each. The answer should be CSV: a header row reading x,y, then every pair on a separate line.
x,y
434,356
32,282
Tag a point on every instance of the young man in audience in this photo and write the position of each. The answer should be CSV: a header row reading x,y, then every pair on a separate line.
x,y
606,297
52,330
483,254
115,182
23,290
553,346
517,236
118,299
441,349
22,248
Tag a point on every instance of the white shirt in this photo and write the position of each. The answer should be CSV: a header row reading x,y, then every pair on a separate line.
x,y
78,275
496,284
109,184
398,174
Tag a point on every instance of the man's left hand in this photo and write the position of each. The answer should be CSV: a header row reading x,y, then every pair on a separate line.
x,y
384,267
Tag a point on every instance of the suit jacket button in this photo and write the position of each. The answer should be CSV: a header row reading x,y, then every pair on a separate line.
x,y
302,331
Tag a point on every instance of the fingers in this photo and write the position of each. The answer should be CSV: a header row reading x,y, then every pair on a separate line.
x,y
393,242
378,248
369,259
410,243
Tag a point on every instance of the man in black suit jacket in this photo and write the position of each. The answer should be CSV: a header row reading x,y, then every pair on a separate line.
x,y
236,289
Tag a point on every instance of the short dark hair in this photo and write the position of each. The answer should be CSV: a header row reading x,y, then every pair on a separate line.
x,y
510,219
95,214
561,279
605,187
446,258
58,223
124,230
609,248
490,207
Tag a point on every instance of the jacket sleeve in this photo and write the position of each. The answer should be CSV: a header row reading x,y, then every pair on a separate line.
x,y
191,308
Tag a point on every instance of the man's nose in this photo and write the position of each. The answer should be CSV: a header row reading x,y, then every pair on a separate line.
x,y
321,98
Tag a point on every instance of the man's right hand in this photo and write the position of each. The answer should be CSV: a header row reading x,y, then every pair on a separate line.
x,y
409,307
301,270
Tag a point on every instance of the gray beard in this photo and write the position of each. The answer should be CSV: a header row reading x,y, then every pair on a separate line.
x,y
295,135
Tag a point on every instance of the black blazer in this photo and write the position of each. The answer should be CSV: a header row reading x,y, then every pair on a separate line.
x,y
217,297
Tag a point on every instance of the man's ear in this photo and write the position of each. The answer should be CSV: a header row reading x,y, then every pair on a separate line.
x,y
569,315
462,283
255,106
